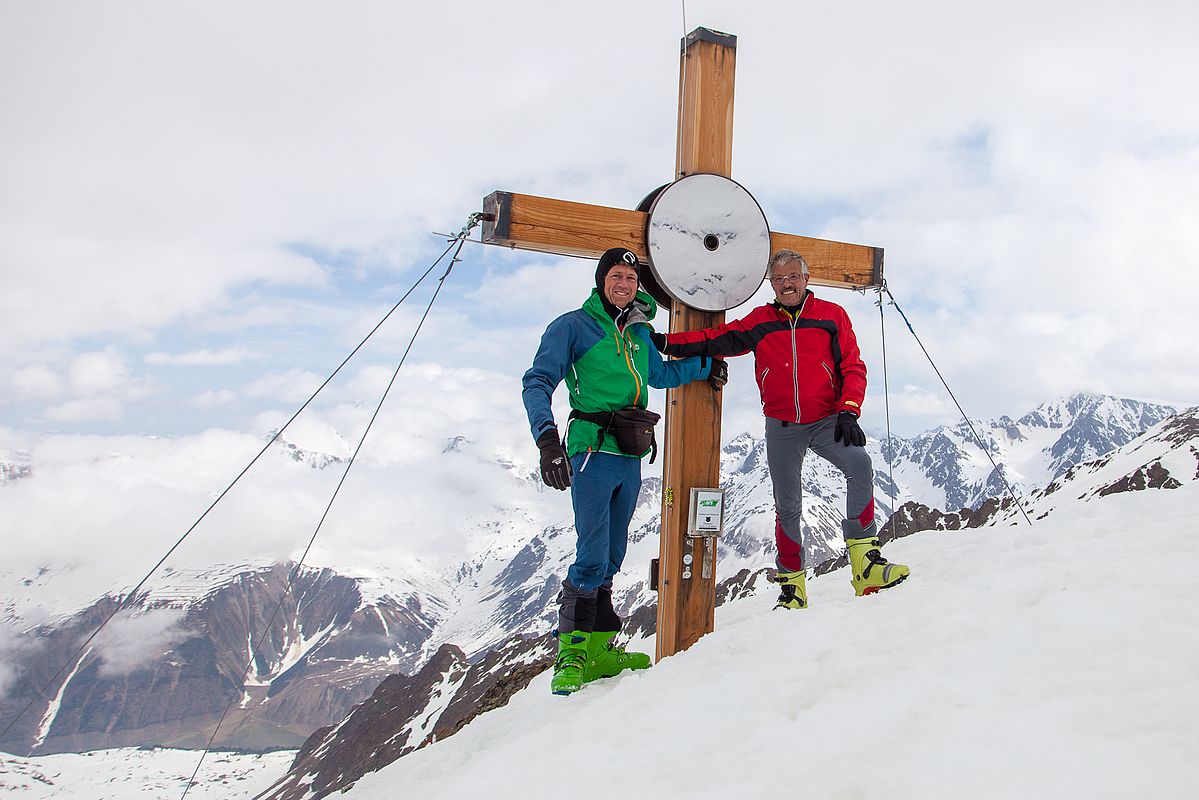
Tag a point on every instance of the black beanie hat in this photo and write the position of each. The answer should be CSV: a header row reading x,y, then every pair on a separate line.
x,y
612,257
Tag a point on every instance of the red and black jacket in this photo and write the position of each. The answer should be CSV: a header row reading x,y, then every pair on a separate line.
x,y
807,364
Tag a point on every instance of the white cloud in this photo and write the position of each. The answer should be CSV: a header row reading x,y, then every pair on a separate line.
x,y
88,409
118,287
133,641
538,287
1032,182
292,386
37,381
107,507
98,373
97,384
11,644
929,404
213,398
223,357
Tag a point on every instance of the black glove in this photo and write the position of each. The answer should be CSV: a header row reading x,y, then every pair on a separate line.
x,y
848,431
719,375
555,468
659,340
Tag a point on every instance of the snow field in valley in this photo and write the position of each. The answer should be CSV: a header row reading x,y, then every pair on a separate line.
x,y
139,774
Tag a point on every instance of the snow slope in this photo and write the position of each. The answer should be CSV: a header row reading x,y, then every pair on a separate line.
x,y
139,774
1017,662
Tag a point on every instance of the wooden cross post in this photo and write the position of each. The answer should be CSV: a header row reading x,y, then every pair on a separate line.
x,y
691,448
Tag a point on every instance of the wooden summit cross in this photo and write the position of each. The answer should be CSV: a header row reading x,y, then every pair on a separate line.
x,y
691,450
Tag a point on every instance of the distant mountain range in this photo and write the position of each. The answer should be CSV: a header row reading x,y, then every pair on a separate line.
x,y
1163,458
441,647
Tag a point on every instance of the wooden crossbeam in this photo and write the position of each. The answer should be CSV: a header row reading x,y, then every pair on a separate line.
x,y
560,226
563,227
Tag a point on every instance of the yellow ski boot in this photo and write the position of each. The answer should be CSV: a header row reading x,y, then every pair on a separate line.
x,y
870,571
793,589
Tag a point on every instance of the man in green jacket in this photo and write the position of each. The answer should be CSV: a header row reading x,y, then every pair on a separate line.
x,y
604,354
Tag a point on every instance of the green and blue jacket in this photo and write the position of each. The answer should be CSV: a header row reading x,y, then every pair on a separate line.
x,y
604,368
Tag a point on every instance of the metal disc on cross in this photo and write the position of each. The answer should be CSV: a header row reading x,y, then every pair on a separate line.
x,y
708,242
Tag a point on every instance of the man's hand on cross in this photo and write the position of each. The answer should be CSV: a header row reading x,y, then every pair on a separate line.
x,y
719,375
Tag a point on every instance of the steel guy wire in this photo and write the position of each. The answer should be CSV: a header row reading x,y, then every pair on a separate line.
x,y
294,573
132,594
887,398
986,450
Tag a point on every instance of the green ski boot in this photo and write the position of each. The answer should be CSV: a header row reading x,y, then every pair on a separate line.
x,y
793,590
605,659
572,660
871,571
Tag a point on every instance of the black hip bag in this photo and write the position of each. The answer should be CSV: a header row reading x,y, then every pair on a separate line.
x,y
632,427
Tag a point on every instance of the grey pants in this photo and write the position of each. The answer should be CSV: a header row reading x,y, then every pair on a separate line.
x,y
786,444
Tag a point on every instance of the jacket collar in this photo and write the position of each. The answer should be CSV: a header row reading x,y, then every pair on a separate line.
x,y
794,312
642,309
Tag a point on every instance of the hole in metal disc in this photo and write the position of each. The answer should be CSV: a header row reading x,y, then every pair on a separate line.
x,y
711,242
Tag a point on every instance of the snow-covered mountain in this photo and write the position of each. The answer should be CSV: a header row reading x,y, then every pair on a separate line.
x,y
945,468
1164,458
1082,521
320,651
341,631
12,470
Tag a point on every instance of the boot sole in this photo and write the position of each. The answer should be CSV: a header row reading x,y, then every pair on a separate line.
x,y
874,589
614,674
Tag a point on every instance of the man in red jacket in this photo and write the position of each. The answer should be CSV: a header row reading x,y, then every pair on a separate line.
x,y
813,382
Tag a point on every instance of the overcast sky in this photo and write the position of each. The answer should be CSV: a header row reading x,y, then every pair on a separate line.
x,y
205,206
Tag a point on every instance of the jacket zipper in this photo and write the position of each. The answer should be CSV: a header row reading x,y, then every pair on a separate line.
x,y
795,355
795,368
623,348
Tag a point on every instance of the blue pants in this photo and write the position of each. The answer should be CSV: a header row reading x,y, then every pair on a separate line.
x,y
604,493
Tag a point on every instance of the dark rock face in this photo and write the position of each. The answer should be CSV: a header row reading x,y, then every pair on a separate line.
x,y
912,517
744,584
389,725
1183,428
359,744
1150,476
395,720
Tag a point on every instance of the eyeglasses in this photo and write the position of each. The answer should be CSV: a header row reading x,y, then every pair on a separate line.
x,y
779,280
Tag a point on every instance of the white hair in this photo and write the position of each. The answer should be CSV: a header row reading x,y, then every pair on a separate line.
x,y
786,257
